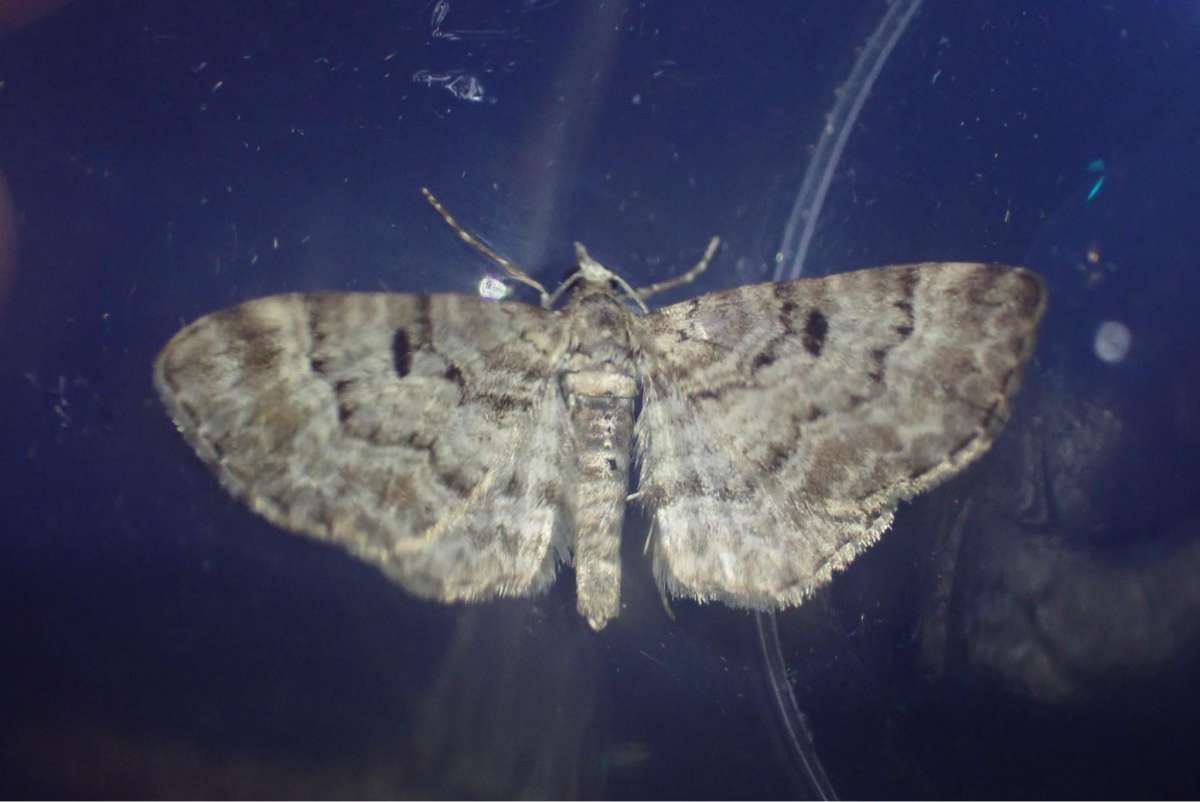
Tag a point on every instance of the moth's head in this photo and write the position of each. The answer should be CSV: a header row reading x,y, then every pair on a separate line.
x,y
590,271
593,278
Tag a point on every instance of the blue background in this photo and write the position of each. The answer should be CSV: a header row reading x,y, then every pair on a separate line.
x,y
169,159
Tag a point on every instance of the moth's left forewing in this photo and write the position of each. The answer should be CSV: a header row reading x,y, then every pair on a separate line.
x,y
423,434
783,422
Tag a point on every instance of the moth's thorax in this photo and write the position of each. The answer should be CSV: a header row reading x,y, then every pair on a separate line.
x,y
599,339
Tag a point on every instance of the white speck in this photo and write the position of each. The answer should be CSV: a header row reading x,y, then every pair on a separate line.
x,y
492,289
933,80
1113,341
218,85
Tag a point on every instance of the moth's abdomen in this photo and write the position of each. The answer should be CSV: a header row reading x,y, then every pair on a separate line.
x,y
601,405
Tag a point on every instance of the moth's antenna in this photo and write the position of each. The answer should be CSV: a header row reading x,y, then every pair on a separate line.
x,y
686,278
466,236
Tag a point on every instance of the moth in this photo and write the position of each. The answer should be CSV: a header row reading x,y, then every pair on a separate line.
x,y
468,447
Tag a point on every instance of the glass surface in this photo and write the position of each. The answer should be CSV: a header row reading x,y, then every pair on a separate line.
x,y
1030,629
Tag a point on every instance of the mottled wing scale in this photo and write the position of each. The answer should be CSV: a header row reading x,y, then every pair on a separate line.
x,y
782,423
415,431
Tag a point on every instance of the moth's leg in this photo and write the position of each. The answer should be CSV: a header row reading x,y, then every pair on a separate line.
x,y
562,288
466,236
686,278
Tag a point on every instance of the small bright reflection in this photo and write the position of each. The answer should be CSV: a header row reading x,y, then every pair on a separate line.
x,y
1113,340
492,289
